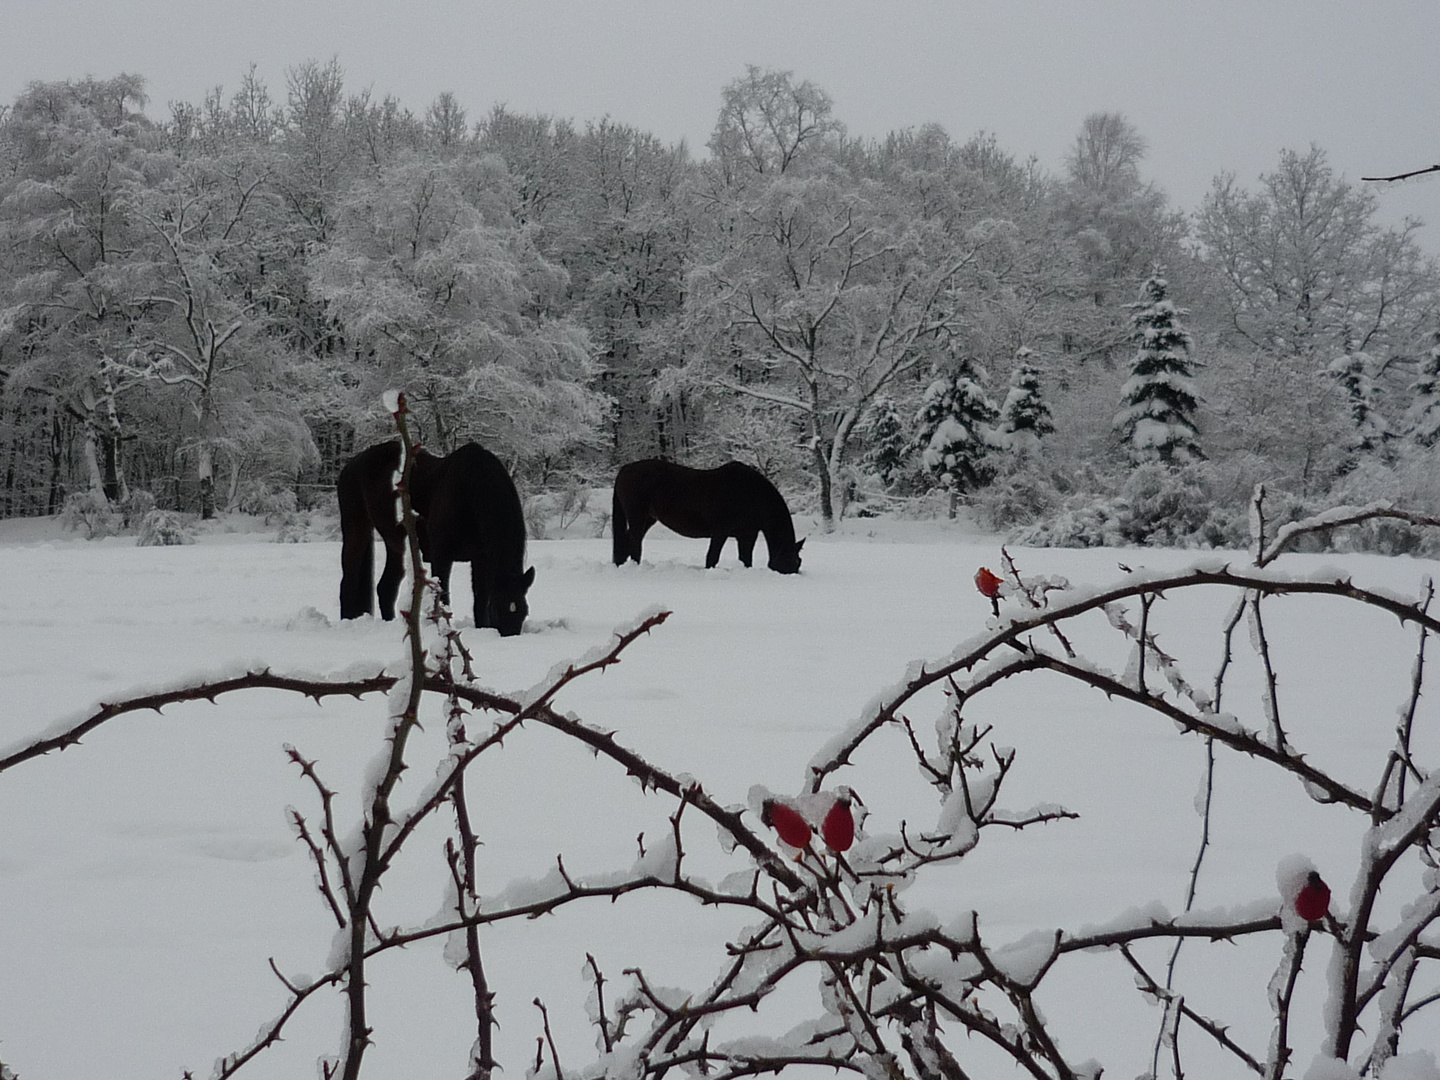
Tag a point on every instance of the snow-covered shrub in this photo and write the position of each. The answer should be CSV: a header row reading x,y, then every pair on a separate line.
x,y
163,528
554,513
304,526
92,513
1018,498
264,501
1156,506
134,507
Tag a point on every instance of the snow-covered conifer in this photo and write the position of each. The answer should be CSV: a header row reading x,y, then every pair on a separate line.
x,y
885,431
1423,418
1156,422
1354,372
956,423
1024,417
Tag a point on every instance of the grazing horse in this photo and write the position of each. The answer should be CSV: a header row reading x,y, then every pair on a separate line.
x,y
732,500
466,510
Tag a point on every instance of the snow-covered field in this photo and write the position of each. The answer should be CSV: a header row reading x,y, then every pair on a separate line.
x,y
149,875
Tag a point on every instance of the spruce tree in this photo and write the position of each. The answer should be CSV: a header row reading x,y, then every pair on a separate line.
x,y
885,431
1024,417
955,424
1424,412
1353,371
1157,422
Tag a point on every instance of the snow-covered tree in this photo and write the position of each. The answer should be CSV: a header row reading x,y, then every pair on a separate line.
x,y
1024,416
1424,414
956,424
1156,422
1301,272
439,289
1354,372
885,429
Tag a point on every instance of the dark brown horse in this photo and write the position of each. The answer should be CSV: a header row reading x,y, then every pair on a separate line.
x,y
732,500
467,510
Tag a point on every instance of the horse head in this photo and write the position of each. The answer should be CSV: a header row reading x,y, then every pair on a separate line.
x,y
506,608
787,561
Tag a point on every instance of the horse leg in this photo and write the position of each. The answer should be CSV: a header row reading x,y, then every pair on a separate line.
x,y
357,570
746,543
713,555
482,594
389,586
619,532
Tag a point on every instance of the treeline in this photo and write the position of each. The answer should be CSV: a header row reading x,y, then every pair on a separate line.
x,y
204,312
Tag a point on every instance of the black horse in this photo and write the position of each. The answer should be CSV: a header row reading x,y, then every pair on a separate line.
x,y
732,500
467,510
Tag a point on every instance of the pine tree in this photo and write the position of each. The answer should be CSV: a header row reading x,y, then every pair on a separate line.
x,y
1353,371
1024,417
1157,420
1424,413
885,430
956,422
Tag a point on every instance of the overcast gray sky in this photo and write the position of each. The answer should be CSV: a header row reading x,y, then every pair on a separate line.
x,y
1213,85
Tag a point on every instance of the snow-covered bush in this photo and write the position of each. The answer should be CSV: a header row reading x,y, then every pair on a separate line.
x,y
134,507
1155,506
304,526
1017,498
265,501
93,514
163,528
1411,480
556,512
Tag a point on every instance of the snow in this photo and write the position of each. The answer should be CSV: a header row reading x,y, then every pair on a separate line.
x,y
149,874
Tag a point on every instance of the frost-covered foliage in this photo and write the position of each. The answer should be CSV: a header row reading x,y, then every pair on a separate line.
x,y
93,514
1156,506
304,526
1024,416
1017,497
163,528
266,501
954,427
1157,420
571,507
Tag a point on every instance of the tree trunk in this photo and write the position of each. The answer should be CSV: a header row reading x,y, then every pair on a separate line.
x,y
116,488
822,469
206,470
91,452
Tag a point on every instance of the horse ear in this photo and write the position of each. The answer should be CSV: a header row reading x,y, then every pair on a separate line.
x,y
800,544
529,578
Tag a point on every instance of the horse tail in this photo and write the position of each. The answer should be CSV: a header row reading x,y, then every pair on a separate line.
x,y
619,530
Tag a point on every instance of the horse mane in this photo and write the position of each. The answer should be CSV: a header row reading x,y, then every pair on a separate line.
x,y
779,528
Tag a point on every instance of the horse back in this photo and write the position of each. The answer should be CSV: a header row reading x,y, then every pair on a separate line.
x,y
365,489
725,501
